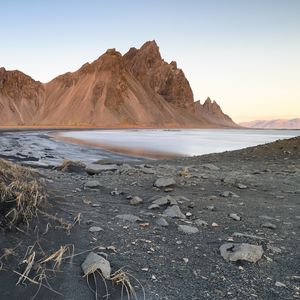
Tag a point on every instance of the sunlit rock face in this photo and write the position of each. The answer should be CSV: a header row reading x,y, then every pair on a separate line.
x,y
138,89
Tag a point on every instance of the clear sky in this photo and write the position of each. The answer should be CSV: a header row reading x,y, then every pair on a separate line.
x,y
243,53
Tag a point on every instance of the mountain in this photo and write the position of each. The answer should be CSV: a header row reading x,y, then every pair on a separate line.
x,y
273,124
138,89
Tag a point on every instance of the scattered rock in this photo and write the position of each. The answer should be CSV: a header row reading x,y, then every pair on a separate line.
x,y
214,224
235,252
210,167
129,218
174,212
241,186
188,229
94,262
165,200
164,182
95,229
153,206
280,284
210,207
201,223
269,225
235,217
136,200
162,222
93,169
92,184
229,194
186,260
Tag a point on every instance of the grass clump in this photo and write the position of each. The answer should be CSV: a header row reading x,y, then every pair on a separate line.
x,y
21,193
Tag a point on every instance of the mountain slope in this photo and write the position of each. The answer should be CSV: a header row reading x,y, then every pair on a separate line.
x,y
138,89
273,124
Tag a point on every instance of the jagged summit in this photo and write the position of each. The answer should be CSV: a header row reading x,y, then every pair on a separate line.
x,y
137,89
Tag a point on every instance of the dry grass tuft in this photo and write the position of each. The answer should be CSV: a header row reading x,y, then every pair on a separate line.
x,y
20,194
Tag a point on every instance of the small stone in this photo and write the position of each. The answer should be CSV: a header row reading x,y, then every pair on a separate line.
x,y
162,222
235,217
229,194
191,205
129,218
186,260
188,229
145,269
94,262
215,224
269,225
174,212
95,205
241,186
274,249
280,284
136,200
153,206
210,167
188,214
235,252
164,182
92,169
153,277
92,184
168,189
212,198
165,200
201,223
95,229
210,207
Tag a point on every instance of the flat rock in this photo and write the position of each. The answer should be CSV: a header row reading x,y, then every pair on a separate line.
x,y
235,217
211,167
96,169
165,200
174,212
269,225
229,194
241,186
164,182
92,184
201,223
95,262
136,200
235,252
95,229
129,218
162,222
188,229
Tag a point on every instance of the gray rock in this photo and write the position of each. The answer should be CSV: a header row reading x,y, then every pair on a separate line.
x,y
129,218
95,229
246,235
164,182
92,184
235,252
235,217
210,207
174,212
153,206
95,262
269,225
229,194
280,284
188,229
162,222
210,167
165,200
136,200
241,186
96,169
201,223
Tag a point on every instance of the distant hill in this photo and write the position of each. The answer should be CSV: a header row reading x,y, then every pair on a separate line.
x,y
273,124
138,89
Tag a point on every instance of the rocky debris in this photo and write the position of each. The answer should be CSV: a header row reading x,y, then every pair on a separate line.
x,y
162,222
72,167
92,184
95,229
201,223
235,217
129,218
241,186
93,169
227,194
236,252
269,225
188,229
174,212
164,182
95,262
136,200
211,167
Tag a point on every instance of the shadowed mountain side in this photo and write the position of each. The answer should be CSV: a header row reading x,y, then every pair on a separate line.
x,y
138,89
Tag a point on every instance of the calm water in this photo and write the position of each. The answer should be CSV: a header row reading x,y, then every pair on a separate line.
x,y
186,142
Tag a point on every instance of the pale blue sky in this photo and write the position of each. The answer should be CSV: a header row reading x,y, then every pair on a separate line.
x,y
244,54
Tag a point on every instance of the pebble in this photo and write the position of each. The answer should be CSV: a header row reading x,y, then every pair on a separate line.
x,y
241,186
129,218
95,229
201,223
162,222
174,212
94,262
215,224
164,182
210,167
211,207
188,229
186,260
235,217
92,184
136,200
280,284
269,225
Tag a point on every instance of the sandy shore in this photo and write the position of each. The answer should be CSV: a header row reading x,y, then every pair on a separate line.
x,y
260,185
